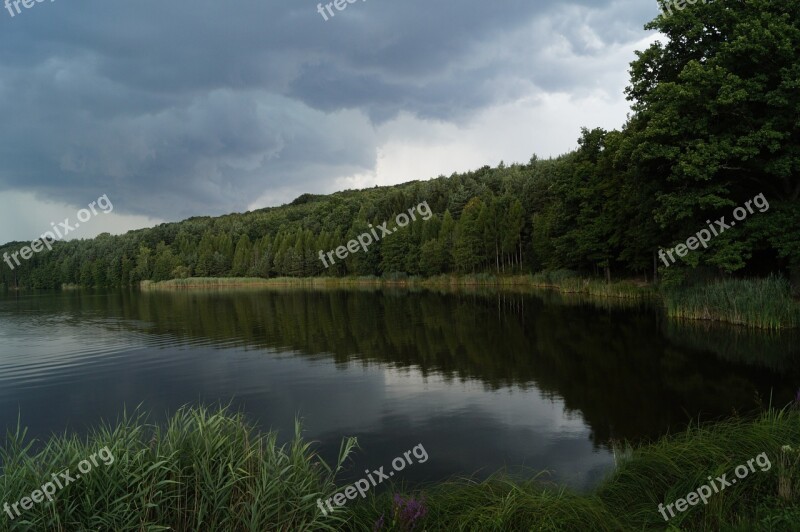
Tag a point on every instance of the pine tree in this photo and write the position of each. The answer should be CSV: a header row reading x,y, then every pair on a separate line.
x,y
468,248
242,257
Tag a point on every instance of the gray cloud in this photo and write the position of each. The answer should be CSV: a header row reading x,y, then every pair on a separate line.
x,y
186,108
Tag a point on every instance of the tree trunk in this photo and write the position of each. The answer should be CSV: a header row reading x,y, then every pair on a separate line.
x,y
655,267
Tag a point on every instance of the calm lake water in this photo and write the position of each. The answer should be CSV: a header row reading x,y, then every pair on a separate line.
x,y
484,380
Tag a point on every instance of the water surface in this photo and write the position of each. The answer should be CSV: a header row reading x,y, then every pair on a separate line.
x,y
522,381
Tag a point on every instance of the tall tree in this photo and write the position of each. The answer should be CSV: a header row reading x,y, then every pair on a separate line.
x,y
242,257
716,118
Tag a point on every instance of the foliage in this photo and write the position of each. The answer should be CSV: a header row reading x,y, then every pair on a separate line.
x,y
714,124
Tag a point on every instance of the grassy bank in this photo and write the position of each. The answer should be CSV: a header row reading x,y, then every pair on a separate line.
x,y
209,470
628,499
760,303
400,280
756,303
560,281
570,282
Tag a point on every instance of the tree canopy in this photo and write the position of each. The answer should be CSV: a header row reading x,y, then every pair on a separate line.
x,y
715,122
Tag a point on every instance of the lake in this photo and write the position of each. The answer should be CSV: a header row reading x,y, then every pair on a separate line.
x,y
485,380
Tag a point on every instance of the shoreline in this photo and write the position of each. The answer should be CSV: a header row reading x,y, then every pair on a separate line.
x,y
166,467
762,304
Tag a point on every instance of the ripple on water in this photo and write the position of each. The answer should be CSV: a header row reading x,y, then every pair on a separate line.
x,y
37,348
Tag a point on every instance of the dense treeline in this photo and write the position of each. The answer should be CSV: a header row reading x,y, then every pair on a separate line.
x,y
715,123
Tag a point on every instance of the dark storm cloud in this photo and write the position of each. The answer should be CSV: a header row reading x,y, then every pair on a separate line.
x,y
183,108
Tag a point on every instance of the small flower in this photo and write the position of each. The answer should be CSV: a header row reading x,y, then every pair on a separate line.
x,y
379,523
786,448
409,512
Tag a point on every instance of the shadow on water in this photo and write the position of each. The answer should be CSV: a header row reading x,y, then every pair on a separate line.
x,y
618,366
628,370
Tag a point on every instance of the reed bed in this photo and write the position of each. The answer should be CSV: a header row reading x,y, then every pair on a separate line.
x,y
205,470
368,280
571,282
758,303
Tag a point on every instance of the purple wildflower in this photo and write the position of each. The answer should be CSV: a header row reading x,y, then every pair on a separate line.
x,y
379,523
408,512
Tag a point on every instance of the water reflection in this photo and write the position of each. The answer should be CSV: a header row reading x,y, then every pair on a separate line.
x,y
484,379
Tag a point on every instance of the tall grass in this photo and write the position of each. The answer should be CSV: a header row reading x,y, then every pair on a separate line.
x,y
205,470
213,282
481,279
759,303
571,282
209,470
677,465
497,504
628,499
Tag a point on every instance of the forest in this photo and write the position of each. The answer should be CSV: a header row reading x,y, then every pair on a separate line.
x,y
714,122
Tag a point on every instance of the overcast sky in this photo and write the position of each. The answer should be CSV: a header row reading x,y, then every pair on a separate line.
x,y
184,108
